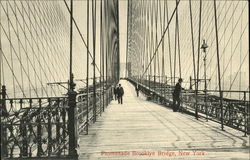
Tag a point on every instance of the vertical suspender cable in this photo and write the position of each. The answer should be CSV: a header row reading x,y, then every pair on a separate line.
x,y
169,48
218,63
224,43
94,54
198,60
102,56
37,46
240,51
178,40
87,79
151,41
71,39
155,12
72,124
28,70
19,50
154,54
107,47
158,60
192,36
11,53
100,59
147,46
232,40
118,72
144,37
162,51
163,54
1,56
175,46
128,16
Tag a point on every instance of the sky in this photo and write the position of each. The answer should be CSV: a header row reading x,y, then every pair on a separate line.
x,y
123,29
48,49
34,41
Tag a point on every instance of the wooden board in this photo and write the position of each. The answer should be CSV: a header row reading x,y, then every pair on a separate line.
x,y
139,129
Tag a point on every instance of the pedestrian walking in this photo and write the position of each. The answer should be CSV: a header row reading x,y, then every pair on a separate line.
x,y
137,90
176,95
115,92
120,93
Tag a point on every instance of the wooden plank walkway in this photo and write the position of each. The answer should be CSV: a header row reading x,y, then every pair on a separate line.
x,y
140,129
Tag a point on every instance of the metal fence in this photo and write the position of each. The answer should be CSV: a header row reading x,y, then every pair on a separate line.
x,y
232,113
40,127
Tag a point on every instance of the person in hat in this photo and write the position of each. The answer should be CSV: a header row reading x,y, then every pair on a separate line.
x,y
176,95
120,93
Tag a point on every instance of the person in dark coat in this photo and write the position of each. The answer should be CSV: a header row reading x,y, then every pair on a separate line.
x,y
120,93
137,90
115,92
176,95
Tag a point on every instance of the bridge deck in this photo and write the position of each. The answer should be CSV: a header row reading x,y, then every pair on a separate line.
x,y
140,126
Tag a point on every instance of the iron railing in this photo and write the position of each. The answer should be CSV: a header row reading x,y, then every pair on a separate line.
x,y
34,127
235,112
39,127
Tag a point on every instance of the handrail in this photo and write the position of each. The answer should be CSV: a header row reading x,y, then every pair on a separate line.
x,y
235,111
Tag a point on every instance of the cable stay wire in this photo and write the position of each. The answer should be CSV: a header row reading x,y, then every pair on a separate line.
x,y
161,37
81,36
30,43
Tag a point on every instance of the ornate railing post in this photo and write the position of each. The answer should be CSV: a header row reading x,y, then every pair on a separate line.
x,y
64,123
221,111
49,114
72,117
23,132
3,112
72,124
245,115
58,126
39,131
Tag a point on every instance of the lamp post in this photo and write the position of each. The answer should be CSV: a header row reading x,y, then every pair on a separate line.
x,y
72,121
204,46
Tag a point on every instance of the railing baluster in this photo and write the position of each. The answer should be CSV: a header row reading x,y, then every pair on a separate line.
x,y
4,149
23,130
30,129
230,113
10,127
39,130
222,114
58,125
245,115
64,124
72,124
49,128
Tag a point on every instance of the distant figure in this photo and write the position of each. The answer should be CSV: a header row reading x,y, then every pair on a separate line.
x,y
137,90
176,95
115,92
120,93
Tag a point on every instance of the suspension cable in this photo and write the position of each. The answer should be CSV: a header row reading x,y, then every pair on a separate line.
x,y
162,37
81,35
